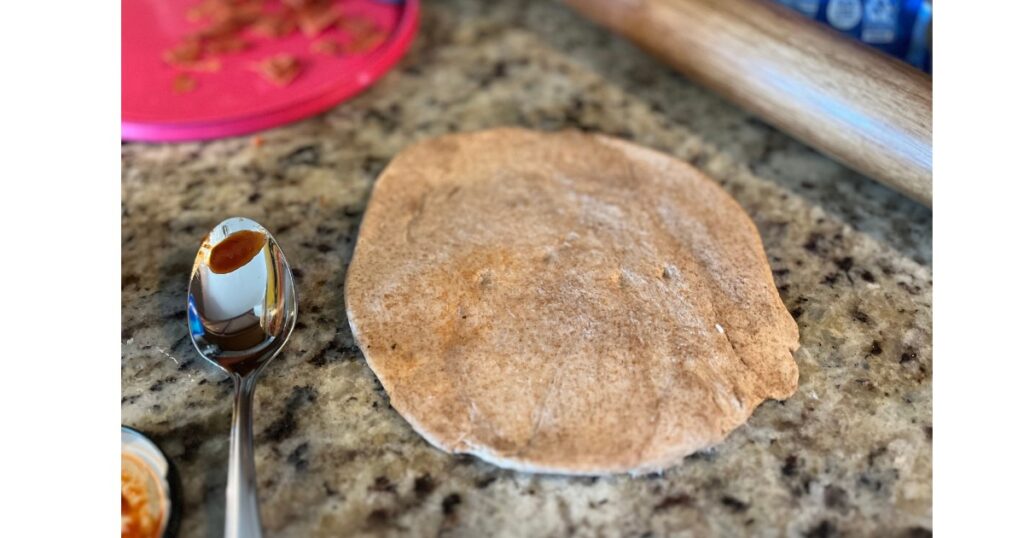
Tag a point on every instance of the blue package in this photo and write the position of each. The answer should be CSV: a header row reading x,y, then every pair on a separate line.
x,y
901,28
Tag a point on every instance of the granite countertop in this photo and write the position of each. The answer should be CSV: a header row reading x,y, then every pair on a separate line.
x,y
849,454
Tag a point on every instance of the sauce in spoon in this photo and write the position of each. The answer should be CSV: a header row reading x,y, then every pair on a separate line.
x,y
236,250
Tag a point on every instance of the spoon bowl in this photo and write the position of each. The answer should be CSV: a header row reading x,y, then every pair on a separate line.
x,y
241,311
241,318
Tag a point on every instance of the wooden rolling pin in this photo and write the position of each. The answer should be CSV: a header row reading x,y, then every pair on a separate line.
x,y
861,107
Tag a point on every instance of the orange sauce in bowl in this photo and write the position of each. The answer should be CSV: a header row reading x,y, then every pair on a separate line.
x,y
236,250
142,506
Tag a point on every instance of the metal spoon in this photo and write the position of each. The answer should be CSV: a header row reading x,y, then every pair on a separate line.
x,y
241,311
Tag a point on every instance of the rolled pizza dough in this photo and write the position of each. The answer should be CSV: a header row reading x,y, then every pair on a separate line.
x,y
565,302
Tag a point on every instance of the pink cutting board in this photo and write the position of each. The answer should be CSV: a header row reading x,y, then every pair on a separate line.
x,y
236,99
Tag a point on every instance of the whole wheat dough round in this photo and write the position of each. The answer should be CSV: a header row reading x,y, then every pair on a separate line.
x,y
565,302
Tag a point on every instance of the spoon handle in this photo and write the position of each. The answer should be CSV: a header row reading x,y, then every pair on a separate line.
x,y
242,511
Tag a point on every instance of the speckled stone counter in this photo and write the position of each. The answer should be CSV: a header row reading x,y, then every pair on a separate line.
x,y
849,454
